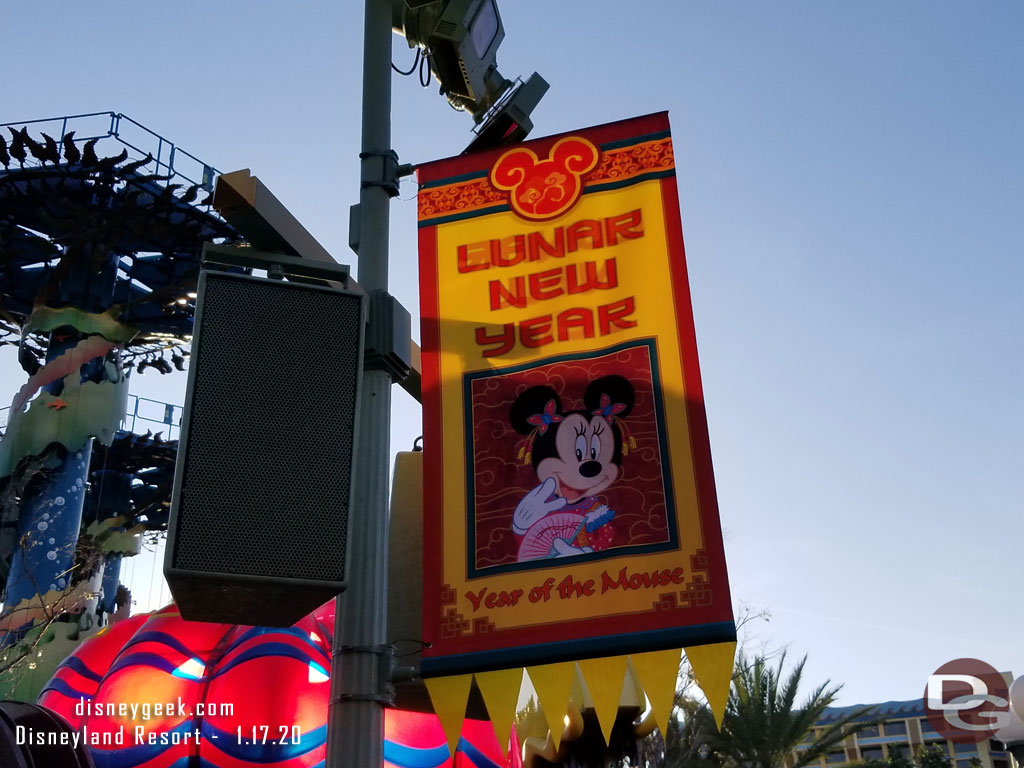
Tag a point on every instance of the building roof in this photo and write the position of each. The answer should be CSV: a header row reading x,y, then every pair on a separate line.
x,y
889,710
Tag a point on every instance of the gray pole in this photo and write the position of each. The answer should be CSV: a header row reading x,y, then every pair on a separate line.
x,y
355,734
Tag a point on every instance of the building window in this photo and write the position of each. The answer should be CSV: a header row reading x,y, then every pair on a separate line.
x,y
871,753
896,728
1000,763
963,764
926,726
899,749
996,746
835,757
868,733
968,748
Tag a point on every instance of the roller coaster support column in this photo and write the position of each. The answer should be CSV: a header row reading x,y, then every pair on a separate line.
x,y
51,509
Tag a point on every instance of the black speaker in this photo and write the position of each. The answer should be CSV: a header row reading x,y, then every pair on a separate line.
x,y
259,512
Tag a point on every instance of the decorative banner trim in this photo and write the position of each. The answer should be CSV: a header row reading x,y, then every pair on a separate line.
x,y
604,679
455,198
449,696
585,648
553,683
658,672
712,669
500,691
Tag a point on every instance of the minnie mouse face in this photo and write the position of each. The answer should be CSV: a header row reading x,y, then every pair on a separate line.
x,y
581,450
583,462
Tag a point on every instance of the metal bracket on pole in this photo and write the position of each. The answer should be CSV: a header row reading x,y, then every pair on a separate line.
x,y
381,169
354,230
388,337
405,673
384,691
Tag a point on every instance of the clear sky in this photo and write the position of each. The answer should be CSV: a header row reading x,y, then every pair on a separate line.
x,y
851,176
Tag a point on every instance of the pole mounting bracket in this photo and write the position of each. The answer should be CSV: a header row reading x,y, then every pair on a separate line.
x,y
384,691
388,337
382,169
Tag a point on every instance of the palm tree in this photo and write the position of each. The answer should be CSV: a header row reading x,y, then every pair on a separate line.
x,y
764,725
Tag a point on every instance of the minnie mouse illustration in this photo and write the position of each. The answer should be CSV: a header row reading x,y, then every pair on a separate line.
x,y
576,455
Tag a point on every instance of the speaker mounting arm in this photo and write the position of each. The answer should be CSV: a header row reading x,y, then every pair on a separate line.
x,y
292,266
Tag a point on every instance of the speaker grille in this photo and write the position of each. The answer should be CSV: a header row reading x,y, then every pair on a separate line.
x,y
264,489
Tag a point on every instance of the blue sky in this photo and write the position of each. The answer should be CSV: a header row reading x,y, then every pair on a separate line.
x,y
851,178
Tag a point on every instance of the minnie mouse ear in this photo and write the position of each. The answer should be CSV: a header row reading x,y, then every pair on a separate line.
x,y
530,404
613,393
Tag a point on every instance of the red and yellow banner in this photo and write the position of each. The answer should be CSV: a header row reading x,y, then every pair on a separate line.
x,y
570,507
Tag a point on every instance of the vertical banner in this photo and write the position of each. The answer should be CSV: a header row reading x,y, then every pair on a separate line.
x,y
569,500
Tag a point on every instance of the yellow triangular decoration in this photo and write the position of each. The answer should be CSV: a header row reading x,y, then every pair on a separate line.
x,y
500,690
604,678
449,696
712,669
552,682
657,672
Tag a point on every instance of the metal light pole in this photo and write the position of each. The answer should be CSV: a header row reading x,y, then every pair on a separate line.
x,y
361,664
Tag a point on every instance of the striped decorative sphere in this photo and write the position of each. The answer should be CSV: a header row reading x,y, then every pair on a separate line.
x,y
155,691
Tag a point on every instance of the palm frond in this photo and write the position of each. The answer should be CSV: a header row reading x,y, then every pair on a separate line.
x,y
764,724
